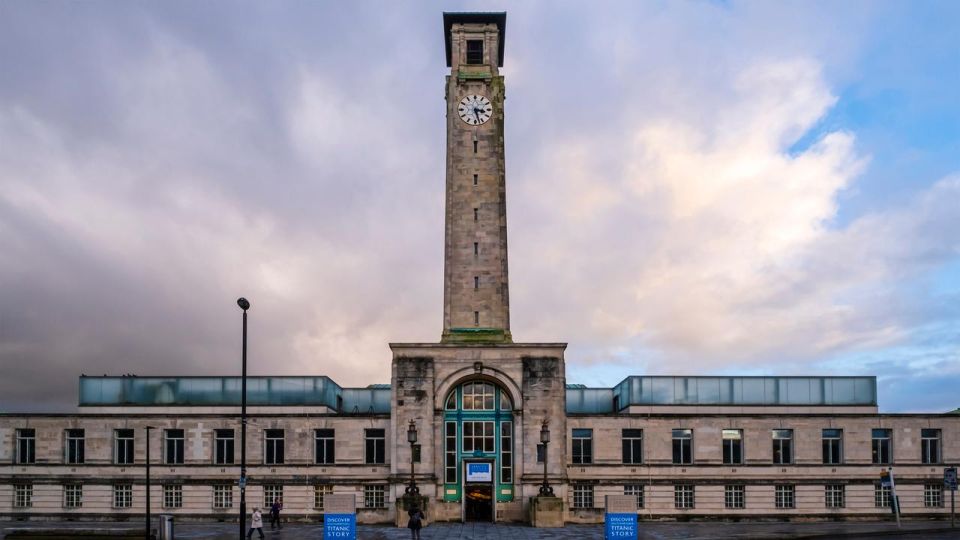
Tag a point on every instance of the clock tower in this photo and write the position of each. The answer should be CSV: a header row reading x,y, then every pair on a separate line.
x,y
476,306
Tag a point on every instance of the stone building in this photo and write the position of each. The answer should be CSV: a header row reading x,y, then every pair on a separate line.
x,y
728,447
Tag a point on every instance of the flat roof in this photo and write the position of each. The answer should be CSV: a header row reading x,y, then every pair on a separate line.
x,y
498,18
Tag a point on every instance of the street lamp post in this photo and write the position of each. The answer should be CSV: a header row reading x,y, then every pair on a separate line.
x,y
147,532
545,489
244,305
412,490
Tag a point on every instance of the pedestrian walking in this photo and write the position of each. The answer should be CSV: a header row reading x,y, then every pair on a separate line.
x,y
416,522
256,522
275,513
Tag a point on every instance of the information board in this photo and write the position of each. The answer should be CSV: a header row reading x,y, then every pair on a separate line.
x,y
620,526
339,526
620,517
950,478
340,517
479,472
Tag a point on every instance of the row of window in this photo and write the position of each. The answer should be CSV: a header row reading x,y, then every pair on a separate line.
x,y
734,496
223,447
582,448
374,496
782,446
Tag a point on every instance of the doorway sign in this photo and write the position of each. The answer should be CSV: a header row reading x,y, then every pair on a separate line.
x,y
479,472
620,517
340,517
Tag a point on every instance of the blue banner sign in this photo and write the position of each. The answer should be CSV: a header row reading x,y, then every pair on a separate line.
x,y
479,472
620,526
339,526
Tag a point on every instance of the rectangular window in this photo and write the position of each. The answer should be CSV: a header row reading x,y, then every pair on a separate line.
x,y
123,447
415,450
450,453
272,493
26,446
23,495
476,214
172,496
933,495
323,446
223,496
474,51
832,446
683,446
75,447
223,447
476,282
881,446
476,318
783,446
476,248
273,447
375,446
541,452
637,491
72,496
506,452
834,495
930,446
734,496
583,446
474,147
881,496
172,446
477,437
476,179
123,495
632,441
375,496
784,496
683,497
582,496
732,447
319,492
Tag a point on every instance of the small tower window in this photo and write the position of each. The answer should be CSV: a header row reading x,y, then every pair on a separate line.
x,y
475,179
476,214
474,51
476,248
476,318
476,282
474,147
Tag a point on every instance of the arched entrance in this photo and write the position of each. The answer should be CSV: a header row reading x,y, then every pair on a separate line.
x,y
478,448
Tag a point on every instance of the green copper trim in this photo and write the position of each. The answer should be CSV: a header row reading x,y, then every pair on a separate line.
x,y
470,75
476,335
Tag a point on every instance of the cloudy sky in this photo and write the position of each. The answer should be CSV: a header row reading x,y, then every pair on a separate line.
x,y
693,187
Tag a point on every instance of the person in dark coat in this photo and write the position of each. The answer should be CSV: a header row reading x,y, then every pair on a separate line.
x,y
416,522
275,513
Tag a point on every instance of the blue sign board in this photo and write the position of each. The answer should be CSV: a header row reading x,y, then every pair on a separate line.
x,y
620,526
339,526
479,472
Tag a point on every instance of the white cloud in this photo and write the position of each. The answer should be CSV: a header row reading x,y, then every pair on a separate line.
x,y
710,241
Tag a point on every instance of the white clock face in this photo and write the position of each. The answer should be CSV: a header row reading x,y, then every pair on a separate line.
x,y
475,110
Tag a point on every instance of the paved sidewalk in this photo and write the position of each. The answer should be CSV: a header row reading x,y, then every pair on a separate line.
x,y
484,531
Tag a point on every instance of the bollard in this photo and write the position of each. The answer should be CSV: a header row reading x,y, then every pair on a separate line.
x,y
165,529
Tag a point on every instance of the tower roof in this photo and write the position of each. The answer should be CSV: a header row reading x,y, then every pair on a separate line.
x,y
498,18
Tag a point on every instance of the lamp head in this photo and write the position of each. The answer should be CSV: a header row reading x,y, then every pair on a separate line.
x,y
412,432
243,303
544,433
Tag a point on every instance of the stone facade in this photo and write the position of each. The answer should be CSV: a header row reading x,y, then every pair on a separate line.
x,y
478,403
476,295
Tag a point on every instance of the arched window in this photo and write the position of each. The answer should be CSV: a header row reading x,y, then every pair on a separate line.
x,y
478,396
478,426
